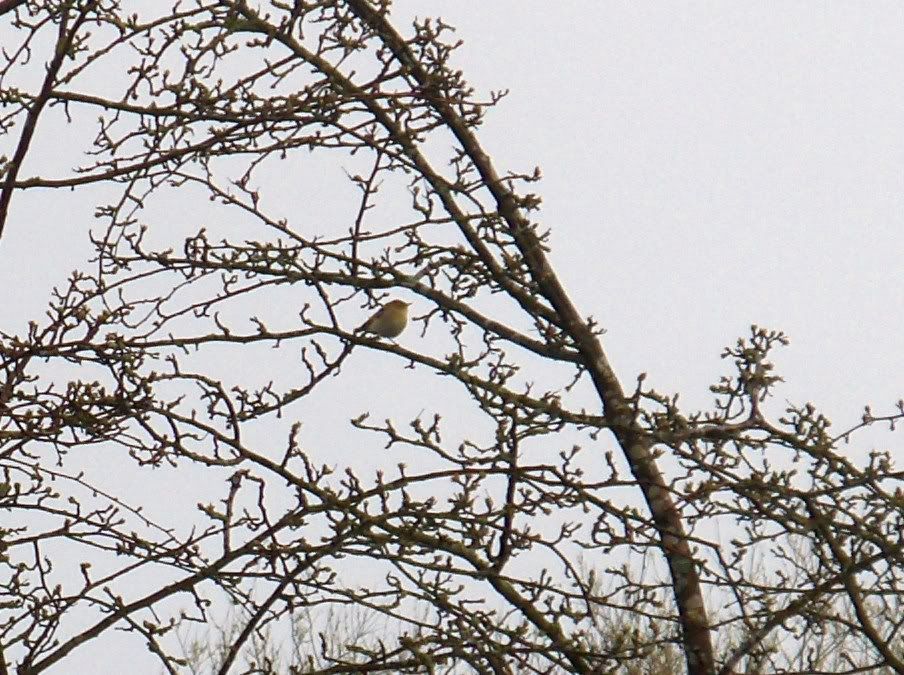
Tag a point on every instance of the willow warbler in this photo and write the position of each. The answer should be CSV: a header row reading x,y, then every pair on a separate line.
x,y
389,321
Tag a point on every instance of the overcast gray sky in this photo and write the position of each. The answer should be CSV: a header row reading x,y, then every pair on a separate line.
x,y
707,165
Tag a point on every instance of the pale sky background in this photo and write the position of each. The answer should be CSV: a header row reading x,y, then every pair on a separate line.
x,y
707,165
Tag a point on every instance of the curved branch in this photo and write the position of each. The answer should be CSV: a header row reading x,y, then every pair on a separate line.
x,y
7,6
63,45
616,408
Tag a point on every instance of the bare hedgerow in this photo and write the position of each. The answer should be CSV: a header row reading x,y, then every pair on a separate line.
x,y
196,435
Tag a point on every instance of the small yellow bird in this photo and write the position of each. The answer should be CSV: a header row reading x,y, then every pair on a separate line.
x,y
389,321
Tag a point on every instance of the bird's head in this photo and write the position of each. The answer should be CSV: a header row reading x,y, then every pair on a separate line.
x,y
395,305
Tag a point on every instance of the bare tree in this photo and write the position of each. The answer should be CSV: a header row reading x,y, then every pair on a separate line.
x,y
579,524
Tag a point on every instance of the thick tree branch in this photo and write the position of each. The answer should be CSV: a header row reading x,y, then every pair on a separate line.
x,y
637,448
